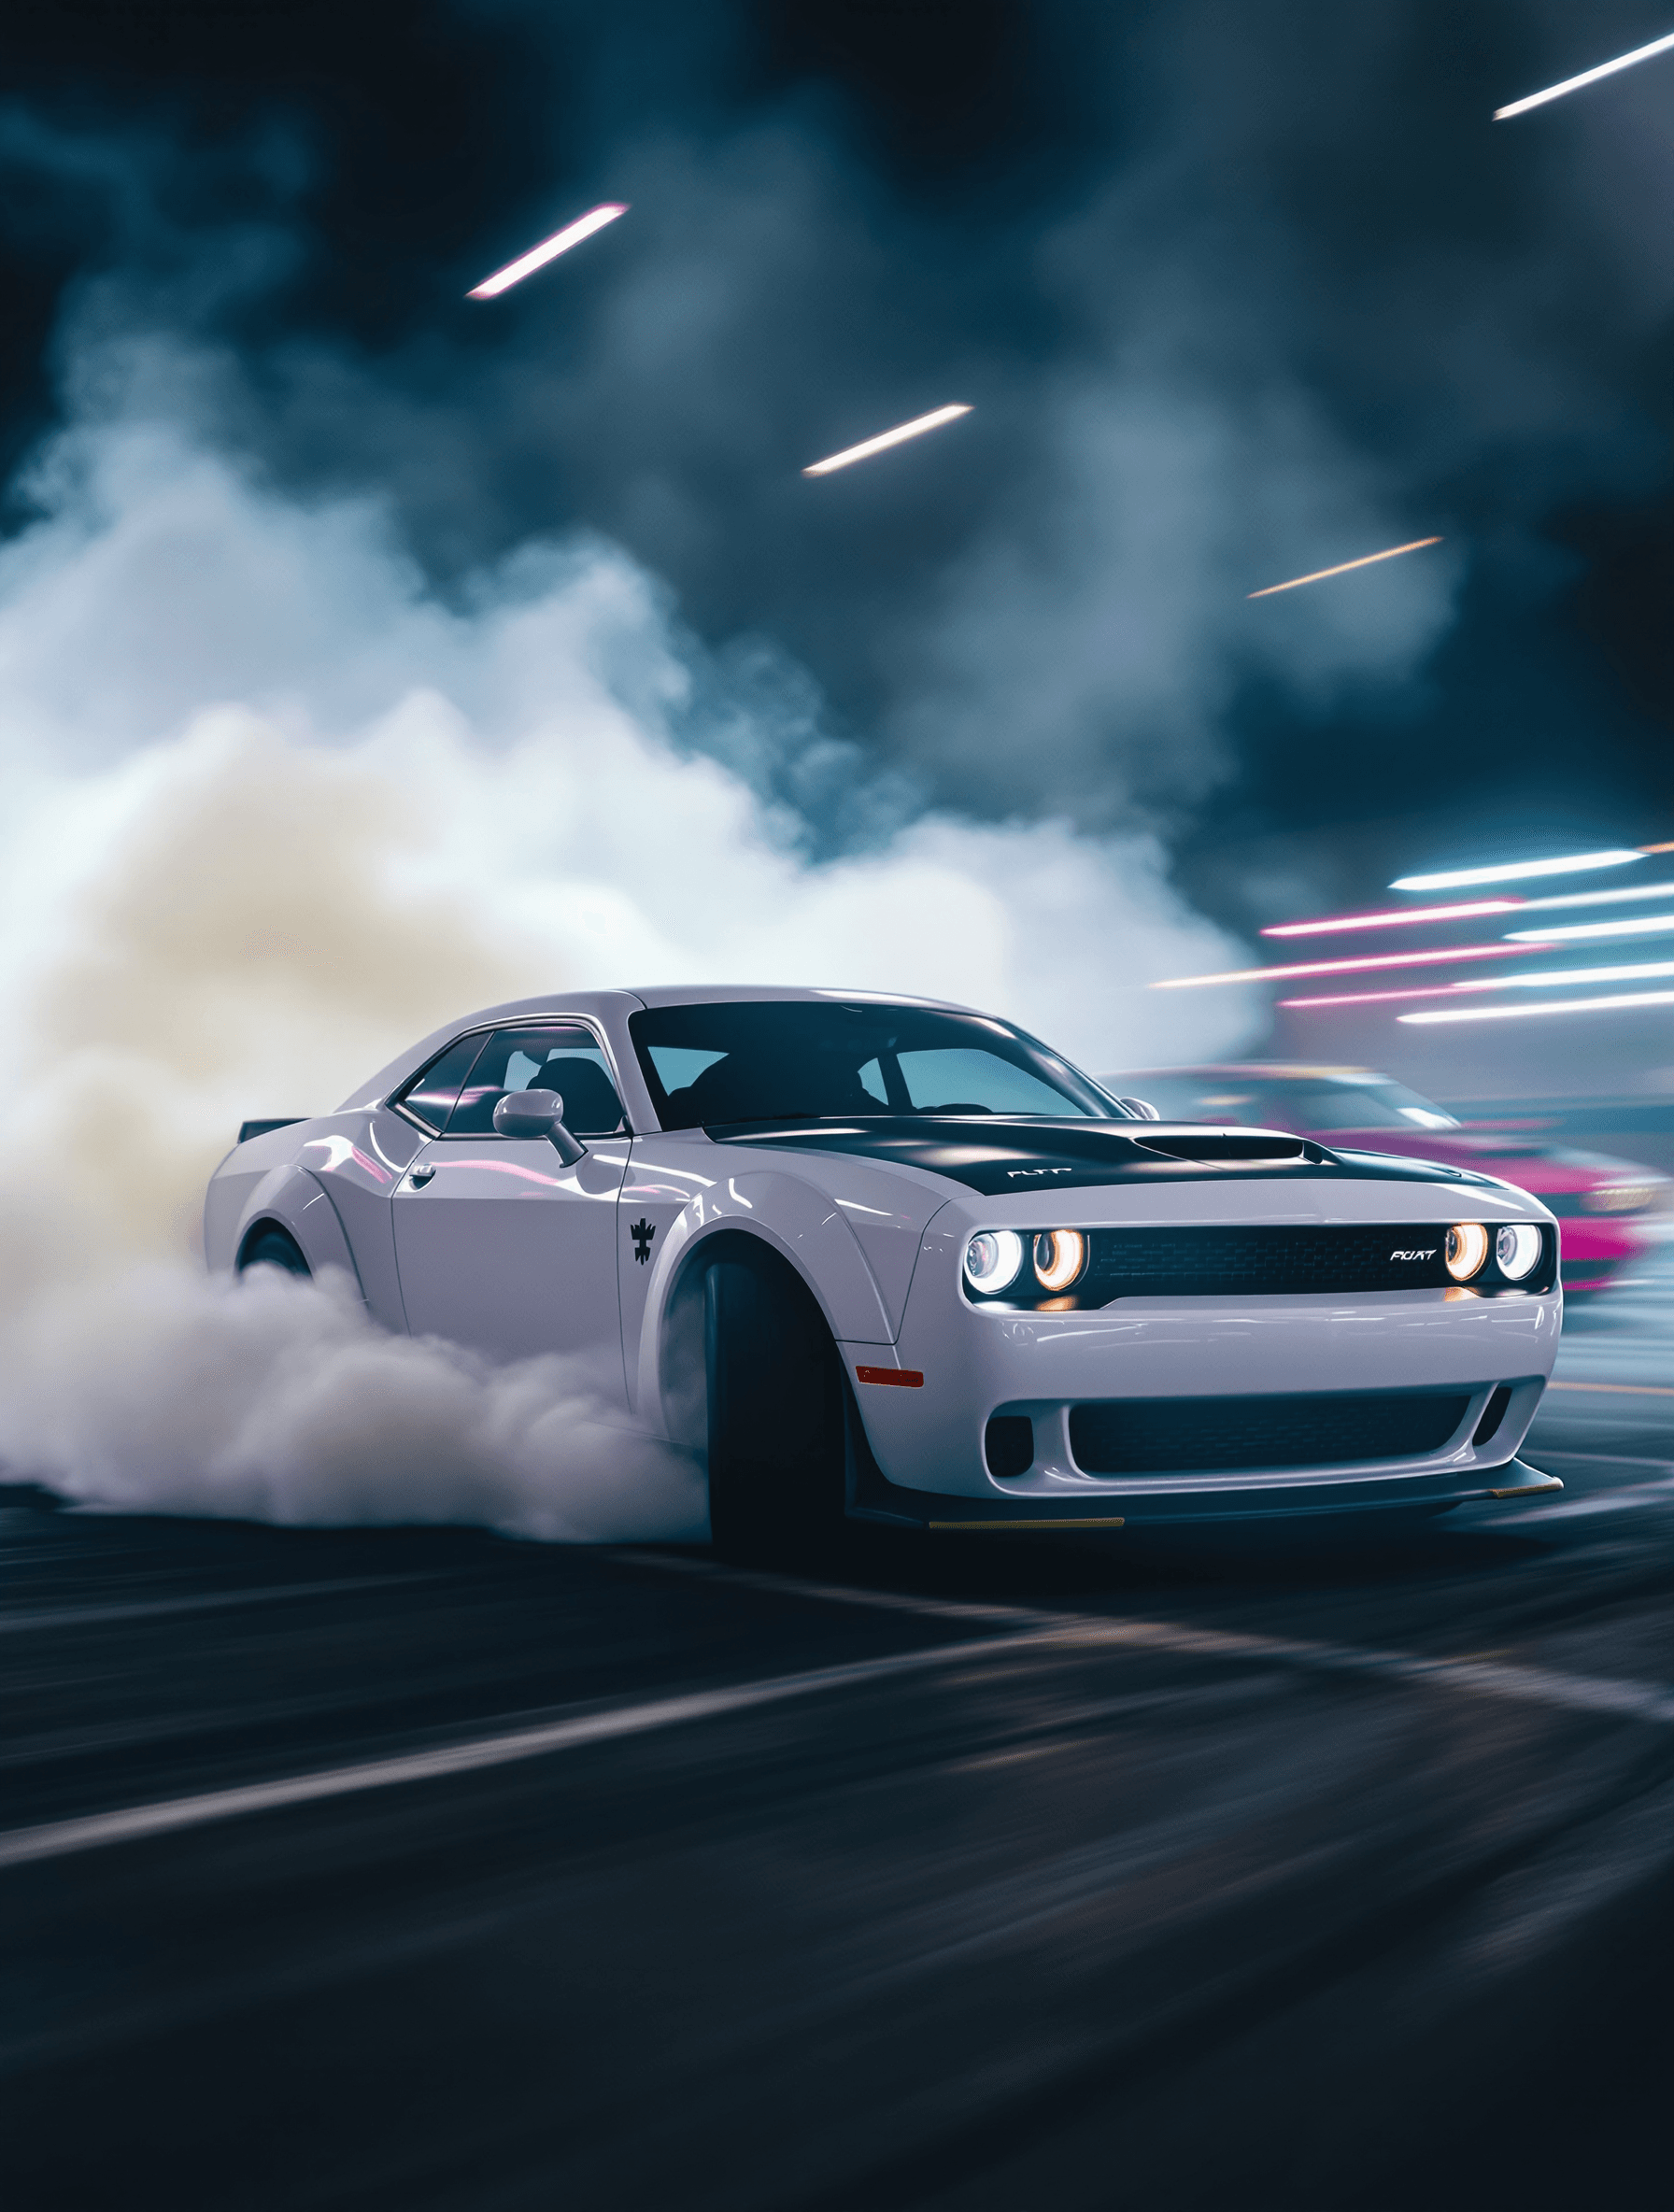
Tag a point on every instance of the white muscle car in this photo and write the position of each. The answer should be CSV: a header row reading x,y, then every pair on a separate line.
x,y
896,1260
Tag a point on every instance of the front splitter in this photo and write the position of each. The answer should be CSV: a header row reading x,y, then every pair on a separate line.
x,y
897,1506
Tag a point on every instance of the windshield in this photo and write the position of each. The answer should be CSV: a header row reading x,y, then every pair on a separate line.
x,y
1313,1104
799,1059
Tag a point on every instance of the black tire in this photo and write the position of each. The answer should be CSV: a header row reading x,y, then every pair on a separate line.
x,y
775,1430
270,1246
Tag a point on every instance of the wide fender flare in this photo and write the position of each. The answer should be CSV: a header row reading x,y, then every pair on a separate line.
x,y
803,1225
301,1204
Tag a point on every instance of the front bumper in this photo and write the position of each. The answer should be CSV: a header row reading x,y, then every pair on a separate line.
x,y
927,1440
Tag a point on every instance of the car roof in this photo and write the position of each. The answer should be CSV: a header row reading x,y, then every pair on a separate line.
x,y
619,1003
713,994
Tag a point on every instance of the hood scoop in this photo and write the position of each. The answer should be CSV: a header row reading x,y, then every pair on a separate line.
x,y
1218,1149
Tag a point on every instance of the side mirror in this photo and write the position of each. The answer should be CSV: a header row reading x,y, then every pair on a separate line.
x,y
538,1114
1141,1108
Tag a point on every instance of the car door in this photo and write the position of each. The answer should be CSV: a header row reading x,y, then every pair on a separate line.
x,y
499,1245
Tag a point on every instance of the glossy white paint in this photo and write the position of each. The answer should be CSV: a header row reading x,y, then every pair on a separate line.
x,y
500,1246
505,1248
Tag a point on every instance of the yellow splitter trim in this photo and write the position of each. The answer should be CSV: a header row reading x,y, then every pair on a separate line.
x,y
1529,1489
1114,1521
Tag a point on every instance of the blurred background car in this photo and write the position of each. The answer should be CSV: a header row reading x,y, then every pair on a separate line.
x,y
1613,1213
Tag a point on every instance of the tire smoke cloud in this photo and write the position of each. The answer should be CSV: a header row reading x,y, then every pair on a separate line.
x,y
279,810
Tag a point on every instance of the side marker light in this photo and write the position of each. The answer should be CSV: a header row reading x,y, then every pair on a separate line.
x,y
903,1378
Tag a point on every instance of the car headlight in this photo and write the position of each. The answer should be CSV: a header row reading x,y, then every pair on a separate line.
x,y
1060,1254
1517,1248
993,1258
1466,1249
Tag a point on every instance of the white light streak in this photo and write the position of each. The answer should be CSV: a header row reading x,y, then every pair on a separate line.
x,y
1566,978
1500,1013
548,251
1562,978
1574,84
1342,568
1389,917
1643,925
1573,864
881,444
1596,898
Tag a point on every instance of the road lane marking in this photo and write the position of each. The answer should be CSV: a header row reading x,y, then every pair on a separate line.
x,y
57,1839
157,1607
1030,1630
1538,1685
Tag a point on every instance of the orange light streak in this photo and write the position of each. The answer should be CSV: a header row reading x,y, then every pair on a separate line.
x,y
1342,568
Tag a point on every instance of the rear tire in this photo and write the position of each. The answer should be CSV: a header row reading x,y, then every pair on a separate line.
x,y
270,1246
775,1430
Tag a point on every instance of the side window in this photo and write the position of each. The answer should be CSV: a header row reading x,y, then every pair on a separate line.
x,y
432,1093
556,1057
872,1080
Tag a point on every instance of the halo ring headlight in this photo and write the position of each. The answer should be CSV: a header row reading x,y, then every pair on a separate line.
x,y
993,1260
1060,1257
1517,1248
1467,1250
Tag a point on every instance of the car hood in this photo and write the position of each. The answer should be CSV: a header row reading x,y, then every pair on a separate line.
x,y
1004,1157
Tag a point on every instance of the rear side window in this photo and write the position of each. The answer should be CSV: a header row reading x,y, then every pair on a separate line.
x,y
430,1097
560,1057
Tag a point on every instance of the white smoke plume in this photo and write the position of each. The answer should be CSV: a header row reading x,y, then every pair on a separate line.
x,y
277,810
278,1400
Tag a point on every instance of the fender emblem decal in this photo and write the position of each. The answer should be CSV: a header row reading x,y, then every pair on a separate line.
x,y
1013,1173
642,1233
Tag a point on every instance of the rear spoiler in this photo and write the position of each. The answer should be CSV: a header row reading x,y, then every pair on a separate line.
x,y
247,1130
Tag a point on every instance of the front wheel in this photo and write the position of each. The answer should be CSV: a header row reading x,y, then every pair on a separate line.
x,y
270,1246
775,1430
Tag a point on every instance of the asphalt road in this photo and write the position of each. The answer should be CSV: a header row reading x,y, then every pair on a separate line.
x,y
492,1875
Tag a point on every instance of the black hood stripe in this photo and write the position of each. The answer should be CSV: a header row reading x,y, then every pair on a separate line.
x,y
1001,1157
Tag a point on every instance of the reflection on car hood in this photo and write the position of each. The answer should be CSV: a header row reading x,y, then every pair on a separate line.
x,y
1001,1157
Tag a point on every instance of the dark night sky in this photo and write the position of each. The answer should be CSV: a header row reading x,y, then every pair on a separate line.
x,y
1236,291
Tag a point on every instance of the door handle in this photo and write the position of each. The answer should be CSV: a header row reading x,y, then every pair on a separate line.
x,y
418,1177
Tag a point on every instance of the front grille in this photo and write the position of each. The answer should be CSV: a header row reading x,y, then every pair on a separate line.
x,y
1227,1262
1194,1435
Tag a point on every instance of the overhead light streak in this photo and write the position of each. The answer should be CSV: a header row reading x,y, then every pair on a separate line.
x,y
1663,890
1458,952
548,251
1387,918
1642,924
1496,1014
1342,568
917,428
1399,913
1562,978
1574,84
1508,871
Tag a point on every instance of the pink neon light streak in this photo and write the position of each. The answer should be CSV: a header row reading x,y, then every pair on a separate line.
x,y
1430,959
1389,920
